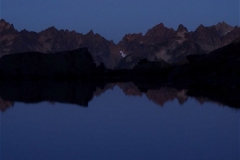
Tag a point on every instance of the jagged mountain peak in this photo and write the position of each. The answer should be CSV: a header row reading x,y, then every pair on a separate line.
x,y
223,23
158,34
6,26
223,28
90,33
132,37
158,27
24,31
51,32
181,28
159,42
200,27
2,21
52,28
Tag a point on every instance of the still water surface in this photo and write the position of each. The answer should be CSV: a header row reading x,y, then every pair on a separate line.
x,y
116,126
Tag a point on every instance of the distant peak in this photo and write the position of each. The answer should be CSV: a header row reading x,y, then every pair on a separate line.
x,y
200,27
2,21
223,24
132,37
5,25
52,27
160,25
181,28
24,30
223,28
90,32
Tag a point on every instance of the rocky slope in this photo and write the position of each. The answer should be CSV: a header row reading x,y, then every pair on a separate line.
x,y
159,43
174,46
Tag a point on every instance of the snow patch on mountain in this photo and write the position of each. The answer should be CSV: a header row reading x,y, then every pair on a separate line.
x,y
122,54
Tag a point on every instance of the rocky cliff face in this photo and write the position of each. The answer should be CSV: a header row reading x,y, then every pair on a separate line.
x,y
7,37
159,43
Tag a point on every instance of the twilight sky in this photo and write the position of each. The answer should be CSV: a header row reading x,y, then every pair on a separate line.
x,y
114,19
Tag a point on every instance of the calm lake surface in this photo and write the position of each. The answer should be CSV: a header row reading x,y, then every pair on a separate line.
x,y
117,126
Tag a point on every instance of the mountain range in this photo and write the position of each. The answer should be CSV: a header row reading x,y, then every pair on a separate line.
x,y
72,77
159,43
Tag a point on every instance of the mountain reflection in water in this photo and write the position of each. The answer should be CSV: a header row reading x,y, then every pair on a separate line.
x,y
80,92
119,126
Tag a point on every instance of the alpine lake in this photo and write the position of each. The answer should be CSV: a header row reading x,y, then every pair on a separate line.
x,y
118,121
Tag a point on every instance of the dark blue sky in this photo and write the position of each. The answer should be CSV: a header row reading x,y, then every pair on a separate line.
x,y
114,19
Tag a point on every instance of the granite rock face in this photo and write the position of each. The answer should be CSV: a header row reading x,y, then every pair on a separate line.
x,y
35,64
159,43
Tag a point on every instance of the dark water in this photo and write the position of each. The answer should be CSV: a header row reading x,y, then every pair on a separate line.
x,y
117,126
